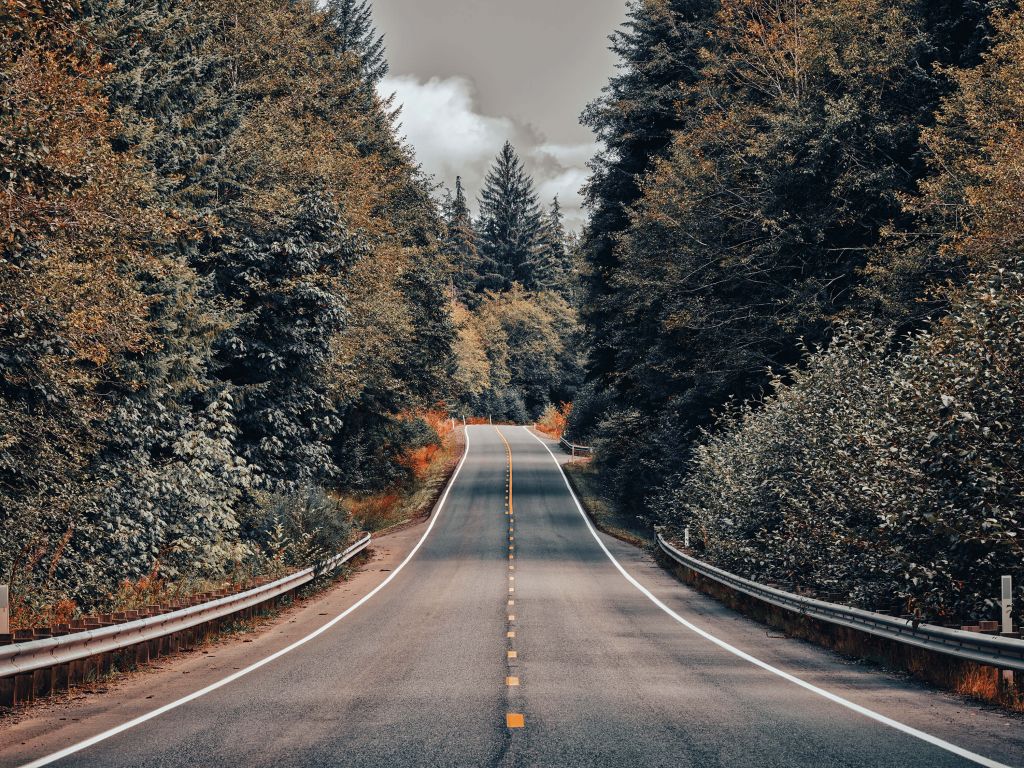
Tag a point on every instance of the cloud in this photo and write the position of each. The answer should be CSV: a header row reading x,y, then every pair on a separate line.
x,y
441,119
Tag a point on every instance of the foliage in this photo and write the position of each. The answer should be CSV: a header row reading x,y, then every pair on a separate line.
x,y
769,207
879,476
887,468
525,344
222,282
554,419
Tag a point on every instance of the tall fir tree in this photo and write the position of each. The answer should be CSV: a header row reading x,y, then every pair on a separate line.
x,y
510,225
459,244
659,48
355,34
555,269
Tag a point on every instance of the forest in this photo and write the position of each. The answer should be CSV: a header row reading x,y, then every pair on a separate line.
x,y
230,299
803,293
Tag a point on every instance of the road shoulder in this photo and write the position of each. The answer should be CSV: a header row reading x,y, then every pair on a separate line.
x,y
62,721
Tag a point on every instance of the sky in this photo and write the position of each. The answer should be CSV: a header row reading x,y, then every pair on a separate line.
x,y
470,74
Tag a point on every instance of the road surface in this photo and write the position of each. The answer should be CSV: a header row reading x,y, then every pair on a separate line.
x,y
511,638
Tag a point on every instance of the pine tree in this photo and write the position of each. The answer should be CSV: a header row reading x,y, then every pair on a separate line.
x,y
459,244
555,269
277,355
355,33
510,225
659,49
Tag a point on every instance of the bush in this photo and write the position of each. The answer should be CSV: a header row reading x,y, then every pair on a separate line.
x,y
307,527
878,473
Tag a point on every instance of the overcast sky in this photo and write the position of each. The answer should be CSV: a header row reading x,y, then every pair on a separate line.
x,y
472,73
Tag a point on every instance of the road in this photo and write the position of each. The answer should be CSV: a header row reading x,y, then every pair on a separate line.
x,y
515,640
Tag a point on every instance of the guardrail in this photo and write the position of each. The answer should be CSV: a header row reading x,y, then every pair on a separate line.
x,y
38,667
1004,653
582,450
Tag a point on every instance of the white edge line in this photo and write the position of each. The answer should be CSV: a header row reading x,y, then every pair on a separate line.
x,y
926,737
66,752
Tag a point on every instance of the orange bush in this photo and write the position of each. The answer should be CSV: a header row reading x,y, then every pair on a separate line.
x,y
554,420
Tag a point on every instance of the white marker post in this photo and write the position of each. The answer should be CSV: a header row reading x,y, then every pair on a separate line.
x,y
1007,605
686,537
5,610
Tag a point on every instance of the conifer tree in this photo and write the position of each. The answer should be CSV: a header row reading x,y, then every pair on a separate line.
x,y
459,244
355,33
510,225
659,49
555,270
277,354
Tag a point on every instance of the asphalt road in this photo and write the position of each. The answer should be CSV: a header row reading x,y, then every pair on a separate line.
x,y
423,673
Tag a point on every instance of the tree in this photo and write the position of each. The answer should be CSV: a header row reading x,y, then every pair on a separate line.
x,y
355,34
659,49
555,270
799,139
459,244
510,225
284,282
83,233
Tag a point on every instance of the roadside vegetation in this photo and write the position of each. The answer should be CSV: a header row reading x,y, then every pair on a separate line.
x,y
804,303
223,296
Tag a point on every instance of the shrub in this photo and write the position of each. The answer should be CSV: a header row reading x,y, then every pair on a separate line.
x,y
882,474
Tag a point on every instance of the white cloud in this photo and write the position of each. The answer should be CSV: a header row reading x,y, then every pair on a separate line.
x,y
441,119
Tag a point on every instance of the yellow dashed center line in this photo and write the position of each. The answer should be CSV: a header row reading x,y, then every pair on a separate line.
x,y
512,719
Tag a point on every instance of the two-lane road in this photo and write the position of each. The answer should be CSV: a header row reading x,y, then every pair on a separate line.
x,y
500,615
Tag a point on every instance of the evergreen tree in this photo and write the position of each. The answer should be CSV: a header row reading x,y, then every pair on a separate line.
x,y
798,135
555,270
510,225
659,49
459,244
167,448
355,34
277,355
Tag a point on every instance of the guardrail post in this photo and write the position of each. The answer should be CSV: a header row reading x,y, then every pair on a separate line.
x,y
1007,605
5,609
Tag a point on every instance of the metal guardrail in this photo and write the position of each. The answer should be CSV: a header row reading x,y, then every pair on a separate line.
x,y
28,657
990,650
574,449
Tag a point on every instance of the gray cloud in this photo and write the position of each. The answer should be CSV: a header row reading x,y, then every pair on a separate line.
x,y
443,121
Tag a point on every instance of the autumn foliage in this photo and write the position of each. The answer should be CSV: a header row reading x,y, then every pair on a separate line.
x,y
221,291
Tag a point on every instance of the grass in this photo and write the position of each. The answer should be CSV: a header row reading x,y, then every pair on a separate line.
x,y
585,482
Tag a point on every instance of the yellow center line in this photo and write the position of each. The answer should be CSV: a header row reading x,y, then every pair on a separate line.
x,y
508,450
515,720
512,680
